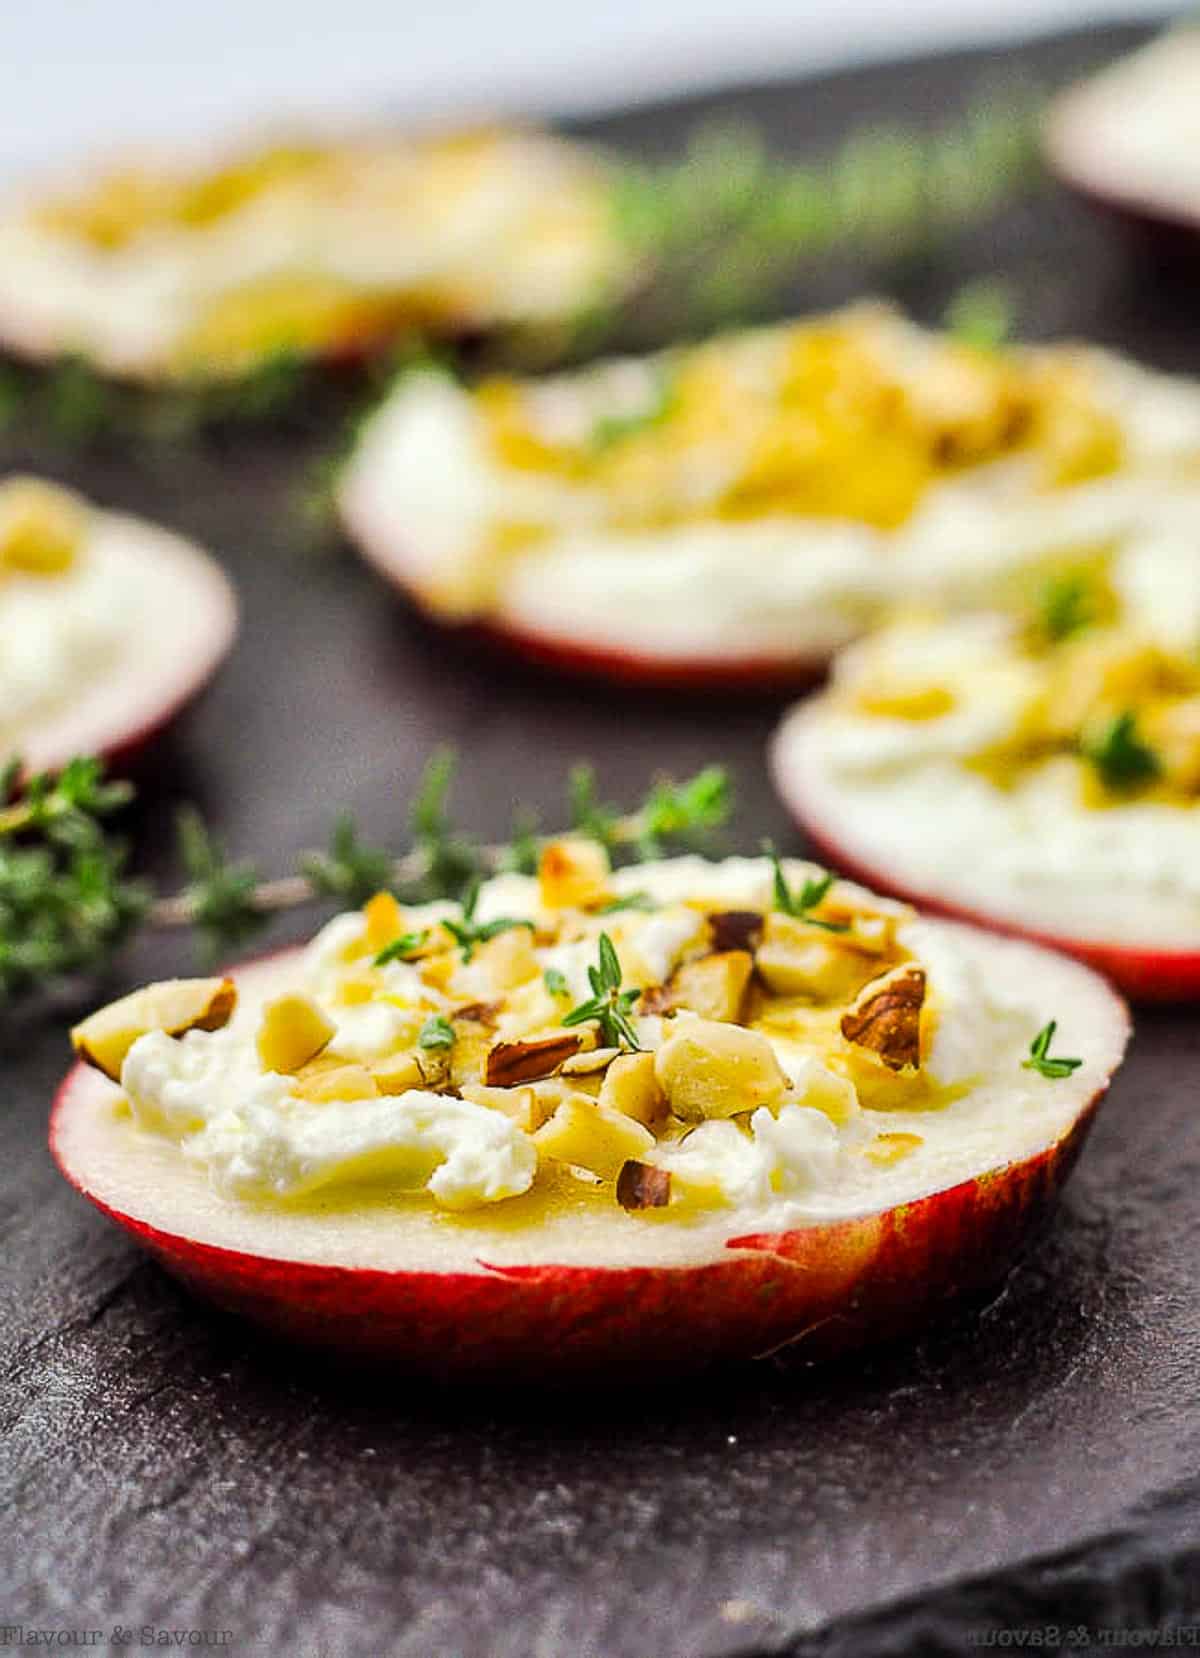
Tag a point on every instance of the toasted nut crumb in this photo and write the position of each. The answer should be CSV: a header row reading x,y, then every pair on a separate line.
x,y
631,1087
573,873
398,1073
384,919
479,1013
511,1062
714,987
588,1062
590,1136
173,1006
707,1069
886,1019
292,1031
521,1104
642,1186
735,929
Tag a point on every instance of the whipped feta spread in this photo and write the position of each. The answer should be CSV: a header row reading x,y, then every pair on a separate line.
x,y
56,635
908,796
256,1139
108,625
66,633
840,1132
1131,132
424,492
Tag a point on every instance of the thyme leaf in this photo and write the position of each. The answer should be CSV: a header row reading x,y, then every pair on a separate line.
x,y
608,1004
801,904
436,1032
1040,1059
1121,759
402,948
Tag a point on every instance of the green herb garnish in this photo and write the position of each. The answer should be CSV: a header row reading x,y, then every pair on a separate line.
x,y
610,430
589,815
350,870
1121,759
67,903
609,1005
523,847
1068,605
811,894
982,314
633,901
450,860
556,982
685,812
721,232
1039,1056
221,892
468,932
436,1032
402,948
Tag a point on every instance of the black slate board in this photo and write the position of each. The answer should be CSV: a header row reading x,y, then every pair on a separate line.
x,y
1031,1465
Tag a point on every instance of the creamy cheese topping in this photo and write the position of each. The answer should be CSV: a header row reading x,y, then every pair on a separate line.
x,y
770,494
66,604
1054,781
1133,131
309,247
749,1037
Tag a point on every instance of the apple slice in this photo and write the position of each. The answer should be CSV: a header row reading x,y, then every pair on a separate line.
x,y
584,633
564,1282
1141,940
1125,138
201,266
666,520
415,498
173,1006
175,624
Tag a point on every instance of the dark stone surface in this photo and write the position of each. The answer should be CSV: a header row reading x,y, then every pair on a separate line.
x,y
1031,1464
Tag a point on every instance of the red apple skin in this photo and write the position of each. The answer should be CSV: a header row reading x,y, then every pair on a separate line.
x,y
126,735
820,1291
749,674
1161,976
134,749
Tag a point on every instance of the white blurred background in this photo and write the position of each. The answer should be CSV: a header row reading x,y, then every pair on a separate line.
x,y
88,72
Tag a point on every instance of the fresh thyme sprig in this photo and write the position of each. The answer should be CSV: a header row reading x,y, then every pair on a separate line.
x,y
468,933
402,948
67,903
222,894
608,1004
801,904
73,405
982,314
715,236
1040,1059
631,901
721,231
